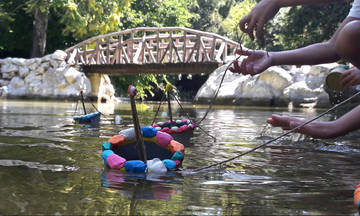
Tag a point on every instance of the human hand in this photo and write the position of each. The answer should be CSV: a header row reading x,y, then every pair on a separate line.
x,y
256,62
350,77
317,129
258,16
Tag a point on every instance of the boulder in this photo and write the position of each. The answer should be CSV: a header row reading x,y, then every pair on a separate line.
x,y
277,86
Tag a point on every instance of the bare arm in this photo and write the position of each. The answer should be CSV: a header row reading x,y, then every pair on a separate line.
x,y
313,54
259,60
320,129
266,10
287,3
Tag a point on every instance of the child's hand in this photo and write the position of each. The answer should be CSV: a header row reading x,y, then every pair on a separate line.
x,y
256,62
259,15
317,129
350,77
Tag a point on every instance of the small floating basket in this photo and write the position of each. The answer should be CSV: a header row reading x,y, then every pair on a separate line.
x,y
142,149
180,130
91,118
163,152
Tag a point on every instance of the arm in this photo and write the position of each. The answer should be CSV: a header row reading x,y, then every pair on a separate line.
x,y
258,61
313,54
265,10
320,129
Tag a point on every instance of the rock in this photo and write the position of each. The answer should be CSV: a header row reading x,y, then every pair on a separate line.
x,y
23,71
32,76
9,68
3,91
35,87
277,86
17,91
18,61
106,93
16,82
276,77
300,92
8,76
42,68
59,55
4,82
71,75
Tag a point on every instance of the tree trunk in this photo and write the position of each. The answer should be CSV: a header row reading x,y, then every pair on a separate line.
x,y
40,26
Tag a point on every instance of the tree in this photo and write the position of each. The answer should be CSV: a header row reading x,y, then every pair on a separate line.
x,y
303,25
78,18
158,13
212,13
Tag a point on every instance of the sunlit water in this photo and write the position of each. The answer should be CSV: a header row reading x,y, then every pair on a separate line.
x,y
48,165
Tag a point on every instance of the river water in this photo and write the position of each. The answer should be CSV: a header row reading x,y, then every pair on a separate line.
x,y
48,165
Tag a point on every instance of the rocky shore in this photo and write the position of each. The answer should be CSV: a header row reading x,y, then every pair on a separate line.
x,y
277,86
49,77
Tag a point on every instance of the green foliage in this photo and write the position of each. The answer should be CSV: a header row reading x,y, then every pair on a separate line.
x,y
83,19
15,29
230,27
292,27
158,13
144,84
212,13
69,20
304,25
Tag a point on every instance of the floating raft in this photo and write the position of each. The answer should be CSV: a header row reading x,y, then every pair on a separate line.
x,y
92,118
180,130
163,152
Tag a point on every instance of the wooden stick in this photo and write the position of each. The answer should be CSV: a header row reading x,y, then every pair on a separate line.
x,y
82,101
139,138
168,89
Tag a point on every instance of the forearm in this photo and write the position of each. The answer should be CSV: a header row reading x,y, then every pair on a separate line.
x,y
314,54
288,3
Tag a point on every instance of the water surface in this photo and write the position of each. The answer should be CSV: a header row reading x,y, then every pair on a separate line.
x,y
48,165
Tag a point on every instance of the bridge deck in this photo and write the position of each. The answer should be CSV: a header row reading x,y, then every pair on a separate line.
x,y
153,68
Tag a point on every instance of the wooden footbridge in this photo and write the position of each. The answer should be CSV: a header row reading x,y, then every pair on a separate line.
x,y
167,50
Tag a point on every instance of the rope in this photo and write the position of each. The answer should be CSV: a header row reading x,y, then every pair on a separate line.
x,y
187,115
239,39
77,102
282,135
158,109
217,92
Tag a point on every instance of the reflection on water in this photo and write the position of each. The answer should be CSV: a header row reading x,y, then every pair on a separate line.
x,y
48,165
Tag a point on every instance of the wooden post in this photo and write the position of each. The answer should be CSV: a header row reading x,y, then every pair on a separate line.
x,y
139,138
167,90
82,101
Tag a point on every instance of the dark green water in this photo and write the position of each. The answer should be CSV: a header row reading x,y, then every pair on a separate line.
x,y
48,165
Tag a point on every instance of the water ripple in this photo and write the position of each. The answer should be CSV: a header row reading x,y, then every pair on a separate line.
x,y
37,165
50,145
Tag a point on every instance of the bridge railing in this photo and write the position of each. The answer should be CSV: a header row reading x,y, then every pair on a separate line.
x,y
152,45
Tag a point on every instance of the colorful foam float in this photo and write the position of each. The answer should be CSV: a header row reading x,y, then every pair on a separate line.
x,y
142,149
181,129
